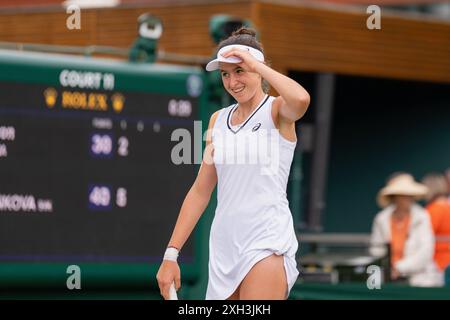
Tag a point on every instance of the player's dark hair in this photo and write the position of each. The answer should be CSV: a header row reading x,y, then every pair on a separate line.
x,y
244,36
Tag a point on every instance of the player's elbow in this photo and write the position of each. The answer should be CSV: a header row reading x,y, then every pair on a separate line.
x,y
303,103
298,107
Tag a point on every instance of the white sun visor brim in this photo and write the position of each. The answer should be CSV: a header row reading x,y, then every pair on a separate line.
x,y
214,64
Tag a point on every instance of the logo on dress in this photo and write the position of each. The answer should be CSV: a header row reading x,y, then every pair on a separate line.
x,y
256,127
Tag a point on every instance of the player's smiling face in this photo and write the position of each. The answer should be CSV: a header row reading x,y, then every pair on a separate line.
x,y
241,84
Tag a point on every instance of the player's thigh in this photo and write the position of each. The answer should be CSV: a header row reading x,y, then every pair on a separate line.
x,y
235,295
265,281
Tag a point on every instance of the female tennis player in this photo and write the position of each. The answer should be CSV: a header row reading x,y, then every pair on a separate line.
x,y
252,244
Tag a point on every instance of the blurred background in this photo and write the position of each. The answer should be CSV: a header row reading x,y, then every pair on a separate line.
x,y
91,92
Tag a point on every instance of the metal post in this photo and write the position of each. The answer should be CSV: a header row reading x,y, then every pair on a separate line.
x,y
324,107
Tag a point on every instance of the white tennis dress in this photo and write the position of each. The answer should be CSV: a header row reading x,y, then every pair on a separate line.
x,y
252,219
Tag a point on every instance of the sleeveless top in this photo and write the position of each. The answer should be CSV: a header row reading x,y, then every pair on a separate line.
x,y
252,219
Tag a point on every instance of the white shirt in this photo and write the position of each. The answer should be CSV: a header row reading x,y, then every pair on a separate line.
x,y
252,219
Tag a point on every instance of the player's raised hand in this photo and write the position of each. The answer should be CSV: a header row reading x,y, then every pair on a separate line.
x,y
249,62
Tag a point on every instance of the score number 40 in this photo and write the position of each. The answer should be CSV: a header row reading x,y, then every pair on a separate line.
x,y
102,145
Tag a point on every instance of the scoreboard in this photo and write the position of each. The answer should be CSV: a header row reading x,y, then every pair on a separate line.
x,y
90,168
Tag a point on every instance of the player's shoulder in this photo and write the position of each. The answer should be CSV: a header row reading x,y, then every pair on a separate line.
x,y
213,118
220,113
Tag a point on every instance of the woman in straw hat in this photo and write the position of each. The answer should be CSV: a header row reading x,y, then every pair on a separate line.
x,y
406,227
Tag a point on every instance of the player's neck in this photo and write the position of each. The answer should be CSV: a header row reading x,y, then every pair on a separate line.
x,y
247,107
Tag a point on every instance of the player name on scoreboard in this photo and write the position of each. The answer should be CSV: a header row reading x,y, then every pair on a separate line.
x,y
24,203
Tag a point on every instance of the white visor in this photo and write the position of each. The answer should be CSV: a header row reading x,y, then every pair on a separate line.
x,y
214,64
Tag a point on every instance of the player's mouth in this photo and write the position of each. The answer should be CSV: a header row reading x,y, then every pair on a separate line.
x,y
237,90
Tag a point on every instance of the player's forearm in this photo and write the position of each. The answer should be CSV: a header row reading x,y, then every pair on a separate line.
x,y
193,207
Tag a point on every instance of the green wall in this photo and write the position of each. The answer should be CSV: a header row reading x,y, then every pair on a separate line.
x,y
381,126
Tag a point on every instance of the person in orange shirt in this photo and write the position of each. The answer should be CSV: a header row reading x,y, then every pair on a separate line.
x,y
439,209
406,227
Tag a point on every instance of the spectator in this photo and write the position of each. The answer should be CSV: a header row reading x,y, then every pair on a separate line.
x,y
447,176
406,227
439,209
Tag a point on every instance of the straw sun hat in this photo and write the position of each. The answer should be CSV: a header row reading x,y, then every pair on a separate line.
x,y
401,185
